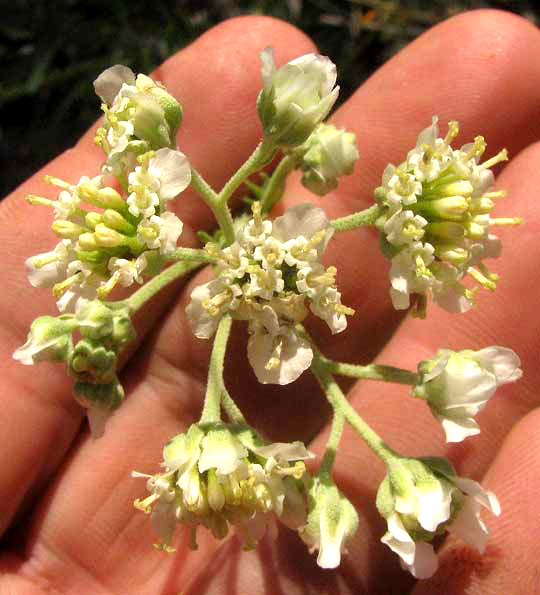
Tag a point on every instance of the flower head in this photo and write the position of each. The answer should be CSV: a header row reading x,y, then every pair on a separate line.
x,y
296,97
458,384
268,277
332,521
216,475
422,498
436,223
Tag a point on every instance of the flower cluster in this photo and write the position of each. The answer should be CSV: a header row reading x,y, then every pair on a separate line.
x,y
140,115
422,498
107,239
91,360
436,221
216,475
458,384
266,277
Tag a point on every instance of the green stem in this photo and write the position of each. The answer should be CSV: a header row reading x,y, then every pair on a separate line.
x,y
231,408
149,290
360,219
219,209
333,442
260,156
275,187
371,372
191,255
214,387
342,407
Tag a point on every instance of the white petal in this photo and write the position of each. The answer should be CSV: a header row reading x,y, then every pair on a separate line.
x,y
268,66
433,506
457,430
331,543
173,170
295,358
468,525
302,220
504,362
110,81
220,450
480,495
425,561
202,323
284,451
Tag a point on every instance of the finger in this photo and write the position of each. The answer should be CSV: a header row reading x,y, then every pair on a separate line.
x,y
510,563
214,79
508,319
172,357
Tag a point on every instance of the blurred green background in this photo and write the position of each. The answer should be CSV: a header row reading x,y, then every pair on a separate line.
x,y
52,50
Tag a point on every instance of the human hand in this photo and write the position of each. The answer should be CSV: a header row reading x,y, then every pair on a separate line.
x,y
68,512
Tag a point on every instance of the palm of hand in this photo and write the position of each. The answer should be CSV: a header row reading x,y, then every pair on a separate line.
x,y
67,500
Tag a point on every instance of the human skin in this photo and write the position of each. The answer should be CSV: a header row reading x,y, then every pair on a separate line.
x,y
67,516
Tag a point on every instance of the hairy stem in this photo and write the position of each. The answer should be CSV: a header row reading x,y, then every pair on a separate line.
x,y
149,290
275,186
191,254
342,407
214,387
371,372
219,209
231,408
360,219
333,443
260,156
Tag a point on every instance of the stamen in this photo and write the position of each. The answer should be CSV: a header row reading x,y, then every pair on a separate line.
x,y
39,200
501,156
502,221
480,278
453,131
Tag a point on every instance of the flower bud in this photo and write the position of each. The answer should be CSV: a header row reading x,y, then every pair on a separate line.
x,y
49,339
332,521
458,384
422,498
67,229
108,238
296,97
92,361
328,154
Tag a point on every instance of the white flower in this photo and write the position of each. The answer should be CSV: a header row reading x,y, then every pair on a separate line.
x,y
49,268
421,498
216,475
277,354
328,154
82,287
332,521
158,179
126,272
439,201
139,115
160,232
49,339
268,277
457,385
296,97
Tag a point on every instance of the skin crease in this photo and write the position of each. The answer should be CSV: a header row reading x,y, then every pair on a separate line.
x,y
70,525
